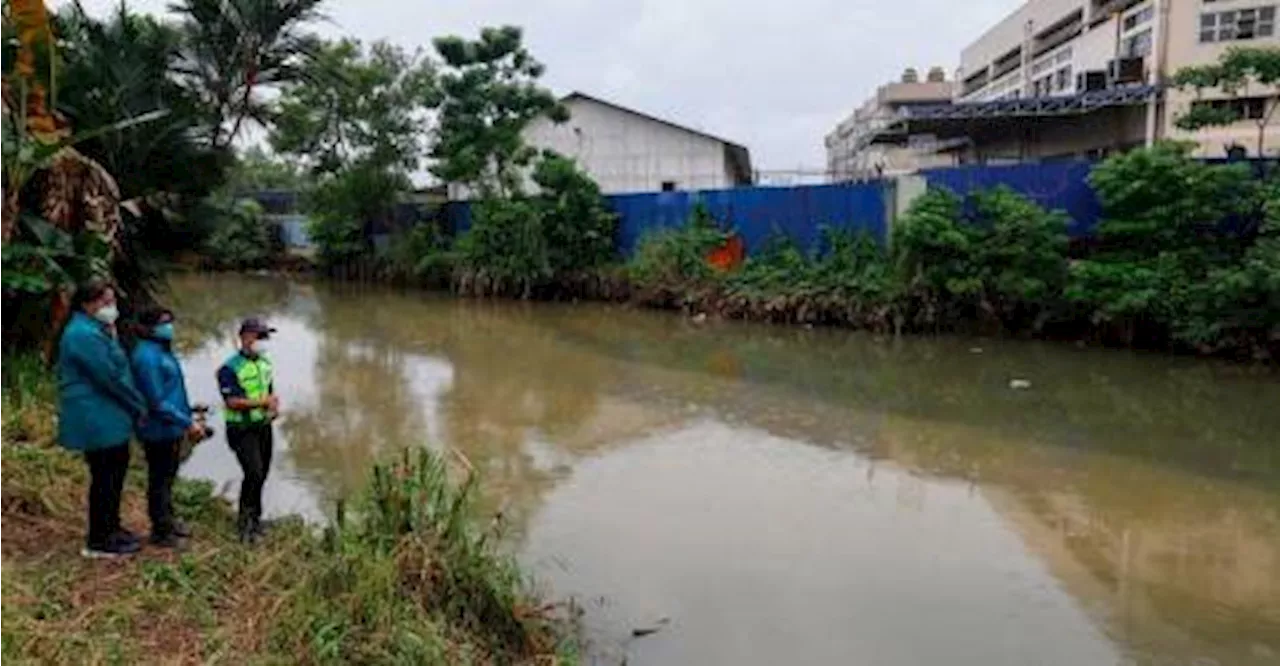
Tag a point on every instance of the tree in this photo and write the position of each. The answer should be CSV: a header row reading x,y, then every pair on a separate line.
x,y
357,120
233,49
489,96
1235,72
122,66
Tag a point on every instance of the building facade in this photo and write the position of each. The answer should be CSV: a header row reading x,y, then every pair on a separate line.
x,y
853,155
629,151
1087,48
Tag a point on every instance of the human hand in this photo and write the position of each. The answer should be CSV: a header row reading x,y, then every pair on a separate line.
x,y
273,403
195,431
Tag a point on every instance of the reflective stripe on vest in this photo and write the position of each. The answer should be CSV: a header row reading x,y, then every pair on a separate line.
x,y
254,377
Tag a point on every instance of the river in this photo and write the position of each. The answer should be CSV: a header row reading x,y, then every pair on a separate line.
x,y
772,495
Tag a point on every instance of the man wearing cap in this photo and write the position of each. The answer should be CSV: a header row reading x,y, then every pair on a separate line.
x,y
248,390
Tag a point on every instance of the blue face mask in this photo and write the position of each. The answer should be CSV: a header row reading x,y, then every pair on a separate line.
x,y
163,331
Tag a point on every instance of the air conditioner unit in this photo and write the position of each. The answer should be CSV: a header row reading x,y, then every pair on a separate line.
x,y
1091,81
1125,70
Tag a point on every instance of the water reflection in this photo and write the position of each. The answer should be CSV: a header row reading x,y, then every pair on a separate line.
x,y
797,496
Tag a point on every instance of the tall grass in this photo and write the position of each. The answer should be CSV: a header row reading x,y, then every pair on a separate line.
x,y
411,557
29,395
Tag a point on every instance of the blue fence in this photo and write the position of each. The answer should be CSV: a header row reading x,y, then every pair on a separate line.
x,y
757,213
1060,186
800,212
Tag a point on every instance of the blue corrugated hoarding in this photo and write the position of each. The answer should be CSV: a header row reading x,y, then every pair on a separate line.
x,y
800,212
757,213
1060,186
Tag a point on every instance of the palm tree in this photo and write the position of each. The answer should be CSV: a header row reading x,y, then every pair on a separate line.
x,y
231,49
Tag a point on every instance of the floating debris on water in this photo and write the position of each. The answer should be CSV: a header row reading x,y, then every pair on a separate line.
x,y
641,632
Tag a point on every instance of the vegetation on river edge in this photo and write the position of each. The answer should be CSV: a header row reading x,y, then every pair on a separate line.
x,y
1187,257
408,576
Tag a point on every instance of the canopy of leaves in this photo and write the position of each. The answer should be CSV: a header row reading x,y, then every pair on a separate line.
x,y
357,105
489,95
356,120
121,68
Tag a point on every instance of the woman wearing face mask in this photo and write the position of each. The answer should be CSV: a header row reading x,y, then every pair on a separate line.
x,y
98,406
169,420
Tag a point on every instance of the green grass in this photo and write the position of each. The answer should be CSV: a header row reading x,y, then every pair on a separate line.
x,y
412,575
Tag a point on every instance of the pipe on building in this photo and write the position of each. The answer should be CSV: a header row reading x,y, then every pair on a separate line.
x,y
1156,71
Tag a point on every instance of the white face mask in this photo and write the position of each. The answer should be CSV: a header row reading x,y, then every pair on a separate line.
x,y
107,314
258,346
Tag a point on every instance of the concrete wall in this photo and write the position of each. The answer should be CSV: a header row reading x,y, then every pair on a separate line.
x,y
625,152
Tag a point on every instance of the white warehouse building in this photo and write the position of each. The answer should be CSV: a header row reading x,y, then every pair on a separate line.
x,y
628,151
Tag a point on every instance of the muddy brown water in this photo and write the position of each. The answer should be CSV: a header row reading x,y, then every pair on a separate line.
x,y
772,495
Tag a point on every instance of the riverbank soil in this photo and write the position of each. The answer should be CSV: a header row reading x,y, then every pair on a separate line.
x,y
297,597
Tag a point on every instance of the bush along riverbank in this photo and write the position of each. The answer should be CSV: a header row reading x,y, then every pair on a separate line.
x,y
1187,258
405,574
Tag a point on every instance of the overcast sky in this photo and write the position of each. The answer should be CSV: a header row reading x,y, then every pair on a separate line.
x,y
775,76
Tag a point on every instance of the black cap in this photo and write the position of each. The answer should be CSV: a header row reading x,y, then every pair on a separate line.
x,y
255,325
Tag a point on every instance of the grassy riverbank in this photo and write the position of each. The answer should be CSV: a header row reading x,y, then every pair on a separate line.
x,y
417,579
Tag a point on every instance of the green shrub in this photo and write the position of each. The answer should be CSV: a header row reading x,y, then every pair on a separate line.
x,y
675,257
1020,256
1186,252
242,238
580,231
517,245
1004,260
422,255
843,279
505,250
933,257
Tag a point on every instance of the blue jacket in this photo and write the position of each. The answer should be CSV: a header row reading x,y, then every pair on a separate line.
x,y
159,378
98,404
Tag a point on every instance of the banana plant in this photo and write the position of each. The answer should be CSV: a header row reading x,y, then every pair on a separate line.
x,y
32,136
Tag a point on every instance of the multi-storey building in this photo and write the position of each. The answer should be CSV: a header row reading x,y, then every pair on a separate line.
x,y
1083,78
851,152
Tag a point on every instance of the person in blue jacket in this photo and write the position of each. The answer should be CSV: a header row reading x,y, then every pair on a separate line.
x,y
169,420
98,407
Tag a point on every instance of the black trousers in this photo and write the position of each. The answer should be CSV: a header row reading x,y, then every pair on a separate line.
x,y
162,468
107,468
252,446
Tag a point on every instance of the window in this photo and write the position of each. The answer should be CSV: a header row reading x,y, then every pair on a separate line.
x,y
1138,18
1062,79
1238,24
668,186
1138,45
1243,108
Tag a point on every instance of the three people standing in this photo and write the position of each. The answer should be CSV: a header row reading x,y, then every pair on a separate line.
x,y
105,397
